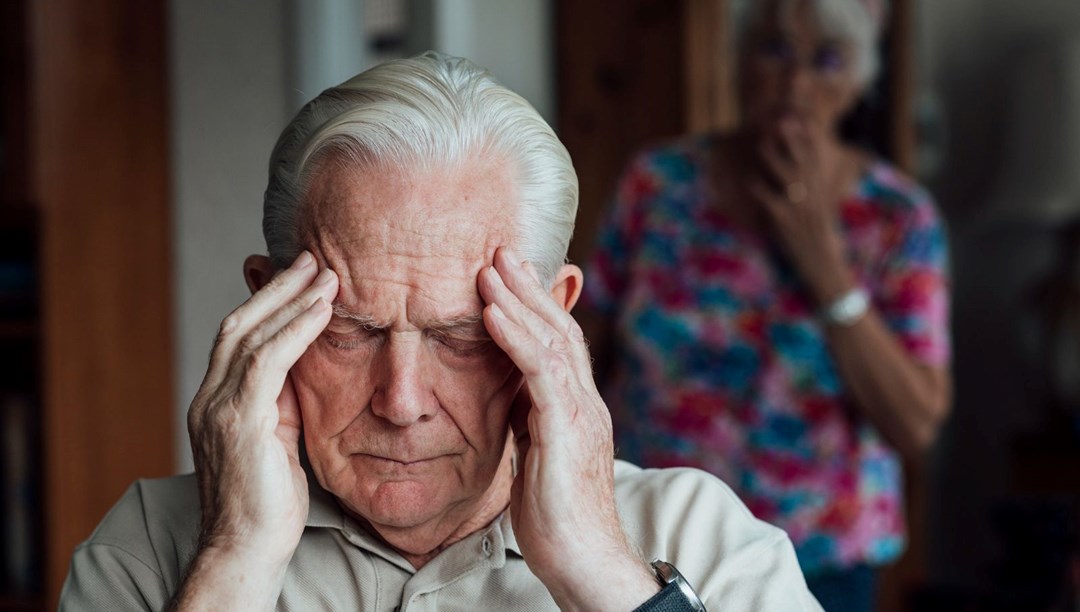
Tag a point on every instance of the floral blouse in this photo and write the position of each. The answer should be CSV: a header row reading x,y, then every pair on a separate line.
x,y
721,363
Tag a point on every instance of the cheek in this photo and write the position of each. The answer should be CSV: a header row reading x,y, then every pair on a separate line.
x,y
479,396
837,99
330,392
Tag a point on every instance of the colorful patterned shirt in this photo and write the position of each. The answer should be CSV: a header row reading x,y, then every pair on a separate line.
x,y
721,363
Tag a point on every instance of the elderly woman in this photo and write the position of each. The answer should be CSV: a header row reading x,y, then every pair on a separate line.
x,y
771,304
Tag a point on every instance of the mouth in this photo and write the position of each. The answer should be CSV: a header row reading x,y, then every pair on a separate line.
x,y
394,461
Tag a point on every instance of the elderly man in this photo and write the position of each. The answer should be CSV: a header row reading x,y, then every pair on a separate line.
x,y
403,416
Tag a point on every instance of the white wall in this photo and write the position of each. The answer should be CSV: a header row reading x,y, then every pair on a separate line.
x,y
976,55
229,101
327,45
514,39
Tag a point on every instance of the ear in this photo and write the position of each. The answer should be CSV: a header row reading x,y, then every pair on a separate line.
x,y
257,271
566,289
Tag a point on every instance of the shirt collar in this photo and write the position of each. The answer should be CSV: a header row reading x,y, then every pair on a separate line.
x,y
509,540
323,508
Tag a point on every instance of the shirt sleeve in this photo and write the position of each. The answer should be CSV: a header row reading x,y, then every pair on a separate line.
x,y
912,293
117,568
107,577
735,562
618,238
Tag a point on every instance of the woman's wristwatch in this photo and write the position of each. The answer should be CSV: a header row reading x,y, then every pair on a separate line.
x,y
676,594
847,309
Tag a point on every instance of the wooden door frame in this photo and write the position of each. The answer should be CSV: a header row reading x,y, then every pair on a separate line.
x,y
99,162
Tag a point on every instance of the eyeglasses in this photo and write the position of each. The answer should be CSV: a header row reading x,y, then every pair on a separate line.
x,y
827,60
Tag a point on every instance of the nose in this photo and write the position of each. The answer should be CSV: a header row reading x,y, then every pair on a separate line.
x,y
797,79
404,394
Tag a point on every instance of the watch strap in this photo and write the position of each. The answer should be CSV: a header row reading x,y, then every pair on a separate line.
x,y
669,599
676,594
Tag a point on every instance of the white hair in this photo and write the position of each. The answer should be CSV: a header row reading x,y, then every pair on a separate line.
x,y
420,113
859,22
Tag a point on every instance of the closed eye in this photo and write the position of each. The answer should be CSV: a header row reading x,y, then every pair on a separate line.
x,y
462,347
348,334
355,340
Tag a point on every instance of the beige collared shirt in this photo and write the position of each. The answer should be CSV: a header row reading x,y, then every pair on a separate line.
x,y
135,560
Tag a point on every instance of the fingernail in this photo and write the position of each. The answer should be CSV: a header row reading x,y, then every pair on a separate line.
x,y
304,260
495,310
511,256
324,277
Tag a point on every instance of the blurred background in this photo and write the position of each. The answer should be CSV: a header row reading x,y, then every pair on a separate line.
x,y
134,137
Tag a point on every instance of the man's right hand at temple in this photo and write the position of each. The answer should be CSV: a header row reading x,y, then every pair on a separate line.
x,y
245,428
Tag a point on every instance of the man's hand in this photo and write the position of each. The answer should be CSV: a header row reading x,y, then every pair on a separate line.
x,y
245,429
563,498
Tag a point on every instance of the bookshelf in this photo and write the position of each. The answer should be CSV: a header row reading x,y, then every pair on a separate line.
x,y
20,457
85,276
21,584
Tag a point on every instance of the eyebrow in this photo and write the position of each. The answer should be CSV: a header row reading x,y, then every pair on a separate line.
x,y
469,322
368,322
462,322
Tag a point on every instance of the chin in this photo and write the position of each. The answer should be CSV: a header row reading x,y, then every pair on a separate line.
x,y
400,504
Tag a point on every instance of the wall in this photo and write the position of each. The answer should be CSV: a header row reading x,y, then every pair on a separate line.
x,y
1005,186
229,101
512,39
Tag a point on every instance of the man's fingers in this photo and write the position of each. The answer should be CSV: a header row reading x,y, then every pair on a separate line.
x,y
494,291
528,289
325,286
268,365
284,286
524,349
289,415
548,373
522,281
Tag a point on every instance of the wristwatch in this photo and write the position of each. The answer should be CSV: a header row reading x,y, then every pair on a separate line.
x,y
847,309
676,594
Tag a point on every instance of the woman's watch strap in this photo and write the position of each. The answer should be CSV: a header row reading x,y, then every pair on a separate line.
x,y
676,594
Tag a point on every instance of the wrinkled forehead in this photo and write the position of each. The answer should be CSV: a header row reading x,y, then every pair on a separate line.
x,y
450,217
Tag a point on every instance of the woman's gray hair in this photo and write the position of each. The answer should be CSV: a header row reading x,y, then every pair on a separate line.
x,y
858,21
417,114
